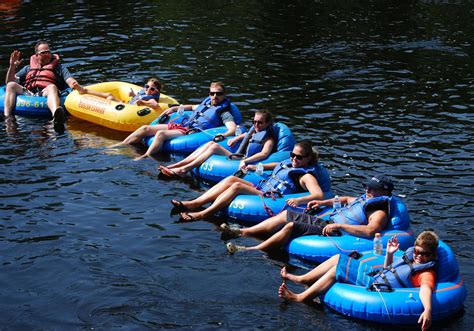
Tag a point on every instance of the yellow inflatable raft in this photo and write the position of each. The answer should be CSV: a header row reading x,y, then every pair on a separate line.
x,y
111,114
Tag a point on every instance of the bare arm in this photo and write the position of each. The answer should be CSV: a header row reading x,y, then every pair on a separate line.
x,y
230,129
425,297
71,82
266,150
329,202
377,221
309,183
149,103
392,247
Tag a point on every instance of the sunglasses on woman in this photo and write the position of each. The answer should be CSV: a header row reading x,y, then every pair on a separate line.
x,y
298,157
150,87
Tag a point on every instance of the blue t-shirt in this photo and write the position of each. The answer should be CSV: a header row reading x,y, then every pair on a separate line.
x,y
62,74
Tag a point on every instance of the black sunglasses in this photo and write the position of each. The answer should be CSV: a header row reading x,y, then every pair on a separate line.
x,y
421,253
216,93
149,87
44,52
298,157
258,122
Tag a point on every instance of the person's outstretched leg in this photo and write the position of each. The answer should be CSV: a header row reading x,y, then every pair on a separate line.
x,y
11,91
190,157
279,239
214,149
318,288
267,227
160,137
313,275
143,131
225,198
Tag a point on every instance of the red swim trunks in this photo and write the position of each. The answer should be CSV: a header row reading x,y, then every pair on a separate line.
x,y
179,127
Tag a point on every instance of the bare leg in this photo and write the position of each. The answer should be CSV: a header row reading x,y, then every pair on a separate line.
x,y
11,91
214,149
52,94
266,227
277,240
318,288
311,276
224,199
160,137
190,157
83,90
144,131
213,192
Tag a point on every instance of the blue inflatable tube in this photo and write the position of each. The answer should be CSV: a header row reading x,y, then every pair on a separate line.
x,y
403,305
250,208
218,167
320,248
31,105
188,143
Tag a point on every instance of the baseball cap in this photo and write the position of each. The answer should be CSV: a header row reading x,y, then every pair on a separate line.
x,y
380,183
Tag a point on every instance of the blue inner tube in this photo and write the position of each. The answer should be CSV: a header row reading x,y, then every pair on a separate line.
x,y
187,143
403,305
320,248
218,167
31,105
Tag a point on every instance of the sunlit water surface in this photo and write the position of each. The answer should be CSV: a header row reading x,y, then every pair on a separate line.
x,y
86,238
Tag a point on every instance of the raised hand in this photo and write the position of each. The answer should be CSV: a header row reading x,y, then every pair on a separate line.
x,y
392,245
15,58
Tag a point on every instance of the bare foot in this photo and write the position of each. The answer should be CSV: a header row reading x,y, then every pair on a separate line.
x,y
179,171
286,294
190,217
285,275
144,156
189,205
120,144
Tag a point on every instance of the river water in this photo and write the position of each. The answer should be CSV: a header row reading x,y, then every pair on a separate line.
x,y
86,239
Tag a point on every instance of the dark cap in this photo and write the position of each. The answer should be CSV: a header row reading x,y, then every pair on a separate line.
x,y
380,183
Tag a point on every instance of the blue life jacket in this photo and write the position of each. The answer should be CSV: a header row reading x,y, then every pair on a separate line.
x,y
282,178
207,116
253,141
355,213
398,274
141,95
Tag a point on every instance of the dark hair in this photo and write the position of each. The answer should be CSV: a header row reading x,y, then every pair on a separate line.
x,y
40,42
308,150
266,115
219,84
156,82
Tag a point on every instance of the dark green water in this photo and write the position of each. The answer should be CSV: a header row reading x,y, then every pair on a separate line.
x,y
86,240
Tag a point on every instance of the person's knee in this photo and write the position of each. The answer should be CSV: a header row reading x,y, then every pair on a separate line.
x,y
288,227
51,88
13,87
238,186
229,180
109,96
213,147
161,134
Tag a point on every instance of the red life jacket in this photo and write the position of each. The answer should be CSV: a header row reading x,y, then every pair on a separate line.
x,y
41,76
